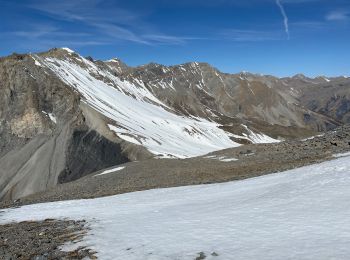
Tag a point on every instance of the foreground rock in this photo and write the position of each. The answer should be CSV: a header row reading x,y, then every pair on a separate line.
x,y
42,240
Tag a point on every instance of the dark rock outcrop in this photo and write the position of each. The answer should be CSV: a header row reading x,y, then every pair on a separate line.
x,y
88,152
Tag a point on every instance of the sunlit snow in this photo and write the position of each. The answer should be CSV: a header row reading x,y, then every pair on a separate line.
x,y
339,155
67,50
111,171
51,116
221,158
298,214
258,137
140,116
36,62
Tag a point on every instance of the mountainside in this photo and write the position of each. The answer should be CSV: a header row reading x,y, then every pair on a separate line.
x,y
332,98
65,116
199,89
243,162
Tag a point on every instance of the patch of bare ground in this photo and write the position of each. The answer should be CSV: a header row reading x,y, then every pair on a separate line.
x,y
41,240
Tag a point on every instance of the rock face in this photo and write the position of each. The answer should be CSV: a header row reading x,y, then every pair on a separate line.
x,y
64,116
40,141
88,152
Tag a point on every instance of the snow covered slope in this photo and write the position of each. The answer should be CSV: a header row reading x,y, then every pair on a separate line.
x,y
137,115
299,214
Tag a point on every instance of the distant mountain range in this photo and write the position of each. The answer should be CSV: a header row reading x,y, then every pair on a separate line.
x,y
64,116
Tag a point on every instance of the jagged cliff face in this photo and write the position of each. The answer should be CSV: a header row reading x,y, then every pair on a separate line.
x,y
64,116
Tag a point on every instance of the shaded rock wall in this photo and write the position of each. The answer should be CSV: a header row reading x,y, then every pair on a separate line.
x,y
88,152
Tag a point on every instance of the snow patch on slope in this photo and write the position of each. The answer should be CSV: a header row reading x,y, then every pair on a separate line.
x,y
221,158
115,60
312,137
51,116
111,171
299,214
259,137
138,114
36,62
67,50
339,155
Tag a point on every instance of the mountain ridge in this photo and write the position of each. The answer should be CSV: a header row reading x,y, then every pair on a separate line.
x,y
65,116
117,59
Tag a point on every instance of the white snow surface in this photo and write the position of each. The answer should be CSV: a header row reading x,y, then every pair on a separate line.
x,y
259,138
111,170
36,62
312,137
339,155
326,79
68,50
113,60
51,116
138,115
224,159
221,158
298,214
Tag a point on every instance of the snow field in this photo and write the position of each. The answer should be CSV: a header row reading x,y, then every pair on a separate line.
x,y
298,214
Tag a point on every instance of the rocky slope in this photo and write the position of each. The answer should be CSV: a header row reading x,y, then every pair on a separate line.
x,y
201,90
221,166
327,96
65,116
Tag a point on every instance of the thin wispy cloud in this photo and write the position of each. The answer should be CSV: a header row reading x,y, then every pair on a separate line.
x,y
300,1
338,15
115,24
109,22
239,35
285,17
44,36
166,39
36,31
228,2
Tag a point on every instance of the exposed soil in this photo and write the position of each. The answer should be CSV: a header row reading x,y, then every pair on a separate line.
x,y
43,240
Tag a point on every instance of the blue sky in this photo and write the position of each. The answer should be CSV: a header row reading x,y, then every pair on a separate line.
x,y
278,37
